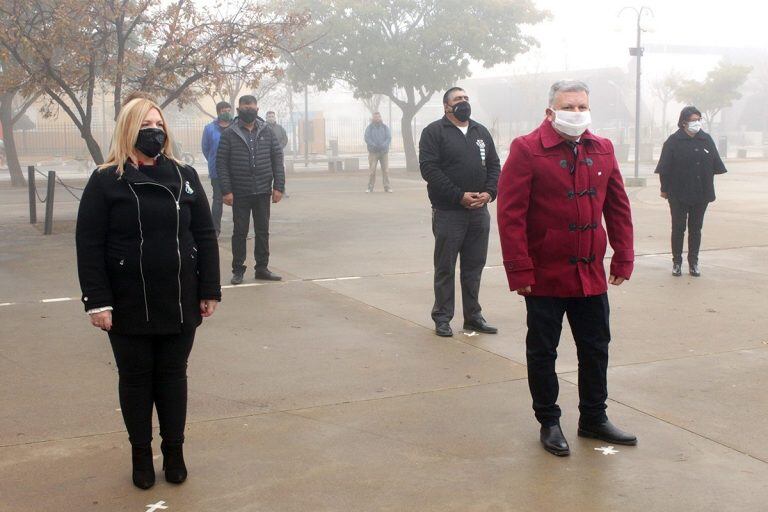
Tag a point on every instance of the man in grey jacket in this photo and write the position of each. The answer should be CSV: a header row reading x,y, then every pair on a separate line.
x,y
250,166
377,138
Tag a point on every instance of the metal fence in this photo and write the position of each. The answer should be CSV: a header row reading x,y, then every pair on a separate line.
x,y
63,141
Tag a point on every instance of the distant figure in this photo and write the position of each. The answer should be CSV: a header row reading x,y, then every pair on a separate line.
x,y
210,144
687,167
459,163
558,184
250,166
148,264
278,130
378,138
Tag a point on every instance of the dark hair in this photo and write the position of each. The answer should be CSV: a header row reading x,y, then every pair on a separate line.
x,y
271,112
248,99
377,112
221,106
685,114
447,94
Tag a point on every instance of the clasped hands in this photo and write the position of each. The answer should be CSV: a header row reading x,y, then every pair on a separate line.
x,y
475,200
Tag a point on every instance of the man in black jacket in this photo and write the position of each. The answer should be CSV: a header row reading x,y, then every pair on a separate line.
x,y
250,166
458,160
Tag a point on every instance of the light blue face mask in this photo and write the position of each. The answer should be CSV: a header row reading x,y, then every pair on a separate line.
x,y
694,126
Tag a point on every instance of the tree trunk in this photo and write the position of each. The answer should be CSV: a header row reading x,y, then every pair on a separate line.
x,y
406,127
11,154
93,147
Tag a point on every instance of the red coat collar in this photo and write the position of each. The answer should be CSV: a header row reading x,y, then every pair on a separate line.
x,y
550,138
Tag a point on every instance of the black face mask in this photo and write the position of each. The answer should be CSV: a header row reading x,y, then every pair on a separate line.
x,y
462,111
247,115
150,141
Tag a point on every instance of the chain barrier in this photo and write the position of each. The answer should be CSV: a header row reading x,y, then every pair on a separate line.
x,y
68,188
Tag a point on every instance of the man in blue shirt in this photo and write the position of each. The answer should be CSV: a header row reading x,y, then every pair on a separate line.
x,y
210,143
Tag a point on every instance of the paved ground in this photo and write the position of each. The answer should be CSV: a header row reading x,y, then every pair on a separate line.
x,y
329,392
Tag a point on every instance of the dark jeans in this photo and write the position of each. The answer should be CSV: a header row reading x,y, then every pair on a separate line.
x,y
217,203
588,318
459,232
258,206
693,215
153,371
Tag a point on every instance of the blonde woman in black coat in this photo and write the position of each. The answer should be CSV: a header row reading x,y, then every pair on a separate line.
x,y
148,264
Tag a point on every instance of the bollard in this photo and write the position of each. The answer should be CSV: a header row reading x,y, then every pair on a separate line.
x,y
32,199
49,203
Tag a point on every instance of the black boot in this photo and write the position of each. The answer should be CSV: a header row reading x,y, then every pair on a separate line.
x,y
173,462
553,440
143,468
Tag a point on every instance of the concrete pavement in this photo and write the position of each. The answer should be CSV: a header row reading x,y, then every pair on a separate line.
x,y
329,391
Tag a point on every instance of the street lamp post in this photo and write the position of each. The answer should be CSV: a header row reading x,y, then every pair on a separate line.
x,y
637,52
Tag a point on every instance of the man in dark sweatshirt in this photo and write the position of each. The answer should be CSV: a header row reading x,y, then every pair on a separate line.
x,y
250,166
458,160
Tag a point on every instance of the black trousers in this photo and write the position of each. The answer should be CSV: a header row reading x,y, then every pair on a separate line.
x,y
588,318
258,206
153,371
693,215
459,232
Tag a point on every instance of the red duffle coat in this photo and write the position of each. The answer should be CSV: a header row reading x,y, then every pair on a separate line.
x,y
551,205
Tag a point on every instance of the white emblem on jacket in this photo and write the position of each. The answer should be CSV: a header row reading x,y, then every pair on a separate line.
x,y
188,189
481,145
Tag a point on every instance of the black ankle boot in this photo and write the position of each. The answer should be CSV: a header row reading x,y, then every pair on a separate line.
x,y
173,462
143,468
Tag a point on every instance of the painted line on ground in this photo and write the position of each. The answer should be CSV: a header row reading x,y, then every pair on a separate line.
x,y
59,299
327,279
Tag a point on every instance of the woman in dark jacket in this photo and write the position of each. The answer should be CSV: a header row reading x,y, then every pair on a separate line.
x,y
687,167
148,264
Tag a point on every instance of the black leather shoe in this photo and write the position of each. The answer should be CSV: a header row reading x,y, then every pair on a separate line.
x,y
480,325
143,468
554,442
236,279
443,329
607,432
694,270
266,275
173,463
677,269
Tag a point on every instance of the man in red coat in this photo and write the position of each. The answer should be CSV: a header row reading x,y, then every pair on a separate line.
x,y
557,185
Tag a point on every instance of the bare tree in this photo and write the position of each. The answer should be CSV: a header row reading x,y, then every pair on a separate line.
x,y
171,50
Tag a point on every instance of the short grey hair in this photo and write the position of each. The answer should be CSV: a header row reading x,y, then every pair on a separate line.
x,y
566,86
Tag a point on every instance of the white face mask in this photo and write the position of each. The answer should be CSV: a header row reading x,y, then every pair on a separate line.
x,y
572,123
694,126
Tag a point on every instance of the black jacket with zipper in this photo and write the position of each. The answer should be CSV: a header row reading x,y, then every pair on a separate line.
x,y
147,250
452,163
243,172
687,167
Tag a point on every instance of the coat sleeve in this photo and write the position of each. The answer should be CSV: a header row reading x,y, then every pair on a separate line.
x,y
201,225
429,163
223,153
278,167
205,144
514,195
367,136
388,140
90,240
618,222
664,167
493,169
718,167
